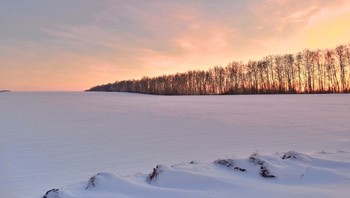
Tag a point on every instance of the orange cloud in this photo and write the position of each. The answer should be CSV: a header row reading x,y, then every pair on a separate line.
x,y
327,29
288,26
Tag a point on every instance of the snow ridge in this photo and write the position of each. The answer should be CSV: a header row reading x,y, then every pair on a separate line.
x,y
291,172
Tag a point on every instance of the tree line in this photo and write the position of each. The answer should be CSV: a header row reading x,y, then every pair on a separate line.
x,y
309,71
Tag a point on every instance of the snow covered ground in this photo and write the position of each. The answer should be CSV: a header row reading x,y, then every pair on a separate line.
x,y
59,140
297,175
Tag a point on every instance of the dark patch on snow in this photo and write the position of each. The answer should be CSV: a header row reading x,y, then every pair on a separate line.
x,y
264,172
53,193
91,182
194,162
224,162
254,158
240,169
229,163
155,173
291,154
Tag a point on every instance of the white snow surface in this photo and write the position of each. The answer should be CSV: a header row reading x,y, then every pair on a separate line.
x,y
58,140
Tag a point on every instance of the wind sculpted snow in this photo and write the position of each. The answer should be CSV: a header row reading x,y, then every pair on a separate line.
x,y
51,140
296,176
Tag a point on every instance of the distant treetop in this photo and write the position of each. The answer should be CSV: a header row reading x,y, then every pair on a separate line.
x,y
4,91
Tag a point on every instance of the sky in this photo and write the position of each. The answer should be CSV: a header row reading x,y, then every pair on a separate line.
x,y
72,45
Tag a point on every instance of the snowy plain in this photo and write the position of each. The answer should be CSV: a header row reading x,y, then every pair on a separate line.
x,y
61,139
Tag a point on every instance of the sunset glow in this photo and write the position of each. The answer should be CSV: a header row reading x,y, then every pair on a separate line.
x,y
71,46
327,29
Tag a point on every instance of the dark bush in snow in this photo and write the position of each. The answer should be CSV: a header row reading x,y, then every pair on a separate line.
x,y
228,163
53,193
291,154
224,162
254,158
240,169
91,182
193,162
264,172
156,171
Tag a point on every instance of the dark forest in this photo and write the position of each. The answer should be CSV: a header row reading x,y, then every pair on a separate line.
x,y
309,71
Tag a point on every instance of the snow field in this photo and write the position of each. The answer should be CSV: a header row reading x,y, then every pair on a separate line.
x,y
53,139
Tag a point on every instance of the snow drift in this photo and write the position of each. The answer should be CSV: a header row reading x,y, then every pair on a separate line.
x,y
289,174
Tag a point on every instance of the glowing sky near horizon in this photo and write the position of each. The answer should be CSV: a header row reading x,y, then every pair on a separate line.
x,y
72,45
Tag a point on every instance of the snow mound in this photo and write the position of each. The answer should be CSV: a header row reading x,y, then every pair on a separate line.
x,y
292,173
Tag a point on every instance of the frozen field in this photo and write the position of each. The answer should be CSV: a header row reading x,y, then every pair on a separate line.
x,y
61,139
